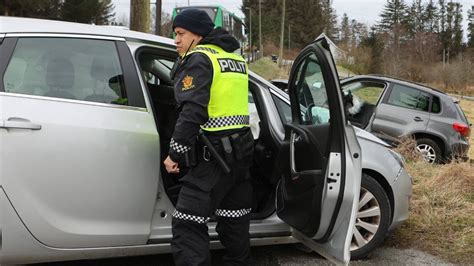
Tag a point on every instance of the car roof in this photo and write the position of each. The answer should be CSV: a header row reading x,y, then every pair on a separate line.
x,y
396,80
15,25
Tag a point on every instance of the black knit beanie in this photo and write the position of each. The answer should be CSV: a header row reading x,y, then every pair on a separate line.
x,y
194,20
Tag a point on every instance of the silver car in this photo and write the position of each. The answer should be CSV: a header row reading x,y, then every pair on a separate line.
x,y
86,115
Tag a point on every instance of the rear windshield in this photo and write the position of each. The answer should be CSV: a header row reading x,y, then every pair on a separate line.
x,y
461,113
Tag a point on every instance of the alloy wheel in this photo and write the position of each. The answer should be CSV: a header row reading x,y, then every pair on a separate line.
x,y
367,221
428,153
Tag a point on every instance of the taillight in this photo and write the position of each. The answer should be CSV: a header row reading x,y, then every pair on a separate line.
x,y
463,129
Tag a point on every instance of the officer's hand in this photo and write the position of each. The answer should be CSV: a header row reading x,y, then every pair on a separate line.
x,y
171,166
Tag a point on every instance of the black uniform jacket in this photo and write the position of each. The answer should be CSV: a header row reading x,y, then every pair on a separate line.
x,y
192,86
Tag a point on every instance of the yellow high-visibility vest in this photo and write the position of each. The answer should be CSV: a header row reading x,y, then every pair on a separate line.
x,y
228,104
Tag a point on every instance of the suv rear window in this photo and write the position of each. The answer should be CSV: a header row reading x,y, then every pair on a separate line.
x,y
68,68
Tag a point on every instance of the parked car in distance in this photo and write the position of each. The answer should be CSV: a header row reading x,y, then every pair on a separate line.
x,y
86,117
392,108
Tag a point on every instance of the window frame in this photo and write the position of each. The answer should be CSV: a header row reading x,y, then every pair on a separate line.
x,y
432,104
391,89
363,81
301,76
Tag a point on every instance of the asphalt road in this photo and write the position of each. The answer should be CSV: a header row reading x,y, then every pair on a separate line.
x,y
276,255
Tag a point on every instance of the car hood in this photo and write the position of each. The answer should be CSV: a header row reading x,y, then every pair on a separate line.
x,y
360,133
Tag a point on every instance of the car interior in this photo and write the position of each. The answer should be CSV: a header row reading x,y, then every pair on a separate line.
x,y
360,101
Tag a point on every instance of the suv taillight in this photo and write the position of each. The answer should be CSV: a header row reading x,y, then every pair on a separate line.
x,y
463,129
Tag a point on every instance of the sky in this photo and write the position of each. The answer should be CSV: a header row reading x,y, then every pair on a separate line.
x,y
365,11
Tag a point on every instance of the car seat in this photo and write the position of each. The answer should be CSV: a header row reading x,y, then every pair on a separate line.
x,y
60,78
101,73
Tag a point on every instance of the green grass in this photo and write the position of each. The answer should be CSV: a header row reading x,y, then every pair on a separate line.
x,y
369,94
268,69
441,212
344,72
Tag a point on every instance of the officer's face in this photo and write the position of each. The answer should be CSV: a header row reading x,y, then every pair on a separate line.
x,y
184,39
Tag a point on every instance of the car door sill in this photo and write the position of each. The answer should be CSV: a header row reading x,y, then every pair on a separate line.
x,y
215,237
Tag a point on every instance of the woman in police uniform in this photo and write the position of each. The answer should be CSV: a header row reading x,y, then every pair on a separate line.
x,y
211,90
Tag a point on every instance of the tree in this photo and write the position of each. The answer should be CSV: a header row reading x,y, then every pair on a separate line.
x,y
416,18
88,11
393,24
345,31
470,28
451,28
140,15
329,19
431,17
393,15
374,45
457,31
307,20
46,9
358,32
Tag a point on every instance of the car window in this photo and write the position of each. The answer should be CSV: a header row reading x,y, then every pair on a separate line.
x,y
78,69
366,91
311,91
435,105
284,109
404,96
254,117
155,69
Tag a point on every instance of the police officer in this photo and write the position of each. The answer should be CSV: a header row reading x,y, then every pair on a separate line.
x,y
211,90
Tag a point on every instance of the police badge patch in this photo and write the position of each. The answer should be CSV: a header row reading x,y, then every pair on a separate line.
x,y
187,83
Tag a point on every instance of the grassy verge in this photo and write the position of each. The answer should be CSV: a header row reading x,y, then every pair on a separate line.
x,y
268,69
441,212
441,208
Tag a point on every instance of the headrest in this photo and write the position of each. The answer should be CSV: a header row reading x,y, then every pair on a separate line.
x,y
60,73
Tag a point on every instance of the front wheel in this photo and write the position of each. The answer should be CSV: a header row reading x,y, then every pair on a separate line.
x,y
373,218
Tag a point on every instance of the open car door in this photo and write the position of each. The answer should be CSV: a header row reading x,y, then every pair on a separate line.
x,y
319,189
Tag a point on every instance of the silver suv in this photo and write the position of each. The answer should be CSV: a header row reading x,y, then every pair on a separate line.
x,y
392,108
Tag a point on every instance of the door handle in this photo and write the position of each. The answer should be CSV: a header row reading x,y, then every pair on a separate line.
x,y
295,174
417,119
19,123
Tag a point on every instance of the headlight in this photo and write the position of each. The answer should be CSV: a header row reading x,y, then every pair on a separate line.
x,y
398,157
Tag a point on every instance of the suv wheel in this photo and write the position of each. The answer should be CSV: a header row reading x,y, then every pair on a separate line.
x,y
429,149
373,218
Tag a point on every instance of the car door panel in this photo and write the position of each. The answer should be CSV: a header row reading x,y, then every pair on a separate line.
x,y
87,178
78,173
317,195
394,121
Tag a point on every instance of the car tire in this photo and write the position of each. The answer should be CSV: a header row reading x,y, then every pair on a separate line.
x,y
429,149
373,218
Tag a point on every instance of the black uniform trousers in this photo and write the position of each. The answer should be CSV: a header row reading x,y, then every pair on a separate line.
x,y
207,190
